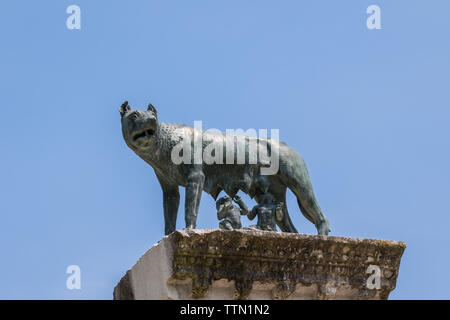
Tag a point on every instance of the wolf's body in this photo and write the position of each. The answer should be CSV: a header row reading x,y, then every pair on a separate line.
x,y
154,142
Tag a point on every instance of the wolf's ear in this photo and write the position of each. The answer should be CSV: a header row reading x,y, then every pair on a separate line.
x,y
124,108
152,109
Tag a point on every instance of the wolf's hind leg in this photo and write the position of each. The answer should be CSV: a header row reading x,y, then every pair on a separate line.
x,y
285,224
311,210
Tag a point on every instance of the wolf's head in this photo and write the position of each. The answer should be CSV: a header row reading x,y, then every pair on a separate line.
x,y
138,127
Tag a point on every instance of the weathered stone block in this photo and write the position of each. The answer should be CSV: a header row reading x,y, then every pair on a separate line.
x,y
248,264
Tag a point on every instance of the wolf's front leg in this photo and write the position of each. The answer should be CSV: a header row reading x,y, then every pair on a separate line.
x,y
194,190
171,201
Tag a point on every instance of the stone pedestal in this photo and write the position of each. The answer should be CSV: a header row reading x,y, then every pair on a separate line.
x,y
244,264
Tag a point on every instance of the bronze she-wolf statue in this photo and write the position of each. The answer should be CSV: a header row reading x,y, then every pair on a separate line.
x,y
155,141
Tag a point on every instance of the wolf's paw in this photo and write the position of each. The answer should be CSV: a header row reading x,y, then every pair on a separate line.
x,y
323,228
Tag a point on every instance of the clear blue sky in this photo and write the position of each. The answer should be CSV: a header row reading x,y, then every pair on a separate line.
x,y
368,110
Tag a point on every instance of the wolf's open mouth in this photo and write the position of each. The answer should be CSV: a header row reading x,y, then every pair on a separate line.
x,y
146,133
